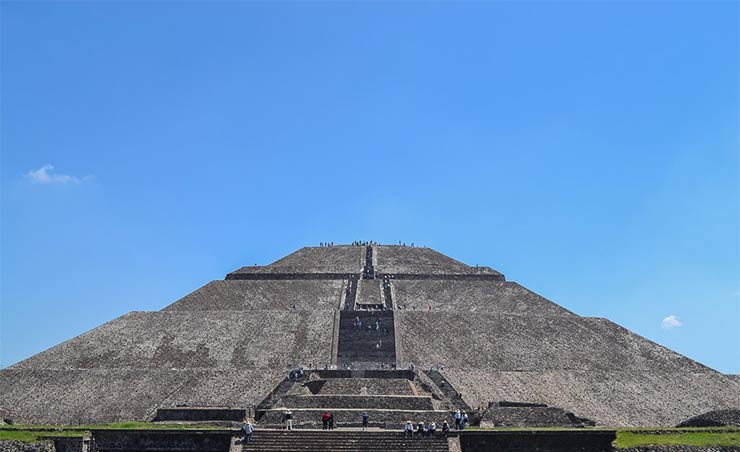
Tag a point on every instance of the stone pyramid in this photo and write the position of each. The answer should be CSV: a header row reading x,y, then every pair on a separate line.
x,y
232,342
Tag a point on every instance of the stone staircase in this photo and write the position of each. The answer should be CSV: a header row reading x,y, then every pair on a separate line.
x,y
342,441
351,293
390,397
369,272
366,345
276,394
448,390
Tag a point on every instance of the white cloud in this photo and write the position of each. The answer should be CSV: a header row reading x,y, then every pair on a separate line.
x,y
671,322
44,175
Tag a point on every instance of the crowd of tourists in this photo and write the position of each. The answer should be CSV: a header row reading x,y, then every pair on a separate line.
x,y
366,243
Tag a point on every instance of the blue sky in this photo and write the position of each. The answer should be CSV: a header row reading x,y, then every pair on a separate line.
x,y
588,150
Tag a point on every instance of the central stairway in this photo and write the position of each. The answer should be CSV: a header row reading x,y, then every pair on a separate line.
x,y
342,441
371,340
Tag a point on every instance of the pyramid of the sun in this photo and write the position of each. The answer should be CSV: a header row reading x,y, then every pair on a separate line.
x,y
231,342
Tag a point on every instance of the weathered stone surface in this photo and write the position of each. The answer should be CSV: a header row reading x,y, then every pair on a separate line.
x,y
251,295
334,401
369,292
20,446
333,259
84,396
371,386
491,341
494,297
127,368
714,418
611,397
530,416
186,340
415,260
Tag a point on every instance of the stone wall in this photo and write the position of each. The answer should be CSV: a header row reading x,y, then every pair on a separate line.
x,y
537,441
194,414
358,386
22,446
386,402
161,440
677,448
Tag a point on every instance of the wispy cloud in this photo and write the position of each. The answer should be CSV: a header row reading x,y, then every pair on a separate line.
x,y
45,175
671,322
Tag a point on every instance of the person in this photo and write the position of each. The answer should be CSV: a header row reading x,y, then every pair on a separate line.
x,y
445,428
420,428
458,418
432,429
331,421
365,419
464,420
408,429
288,420
325,420
248,430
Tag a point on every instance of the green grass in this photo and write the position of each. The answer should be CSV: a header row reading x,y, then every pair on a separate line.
x,y
694,437
33,435
32,432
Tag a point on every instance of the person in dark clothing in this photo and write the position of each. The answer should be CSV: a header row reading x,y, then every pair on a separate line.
x,y
420,428
325,420
331,421
288,420
365,419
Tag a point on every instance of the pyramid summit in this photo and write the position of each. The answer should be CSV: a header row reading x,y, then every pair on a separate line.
x,y
404,332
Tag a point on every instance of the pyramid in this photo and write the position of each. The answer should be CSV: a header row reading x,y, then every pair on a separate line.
x,y
232,342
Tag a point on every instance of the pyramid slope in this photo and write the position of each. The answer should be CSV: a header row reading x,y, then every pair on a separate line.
x,y
474,296
231,341
80,396
417,261
187,340
590,366
250,295
611,398
530,343
343,259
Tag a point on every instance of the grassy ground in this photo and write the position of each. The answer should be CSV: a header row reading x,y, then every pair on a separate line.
x,y
32,432
693,437
712,436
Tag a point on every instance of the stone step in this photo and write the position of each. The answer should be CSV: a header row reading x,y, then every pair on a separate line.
x,y
342,441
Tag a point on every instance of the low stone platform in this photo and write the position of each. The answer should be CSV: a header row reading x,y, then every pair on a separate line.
x,y
398,402
344,441
383,418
